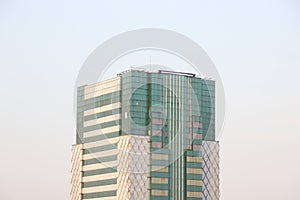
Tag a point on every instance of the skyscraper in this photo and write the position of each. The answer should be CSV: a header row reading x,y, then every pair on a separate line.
x,y
146,135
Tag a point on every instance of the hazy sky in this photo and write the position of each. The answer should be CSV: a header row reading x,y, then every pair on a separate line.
x,y
254,44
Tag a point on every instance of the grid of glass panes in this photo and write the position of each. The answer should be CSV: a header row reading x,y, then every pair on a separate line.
x,y
135,104
208,109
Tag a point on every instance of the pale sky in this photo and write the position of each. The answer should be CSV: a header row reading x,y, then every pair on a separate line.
x,y
255,46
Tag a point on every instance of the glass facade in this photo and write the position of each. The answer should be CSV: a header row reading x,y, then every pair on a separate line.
x,y
158,130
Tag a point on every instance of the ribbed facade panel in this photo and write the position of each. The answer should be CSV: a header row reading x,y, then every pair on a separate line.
x,y
76,170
